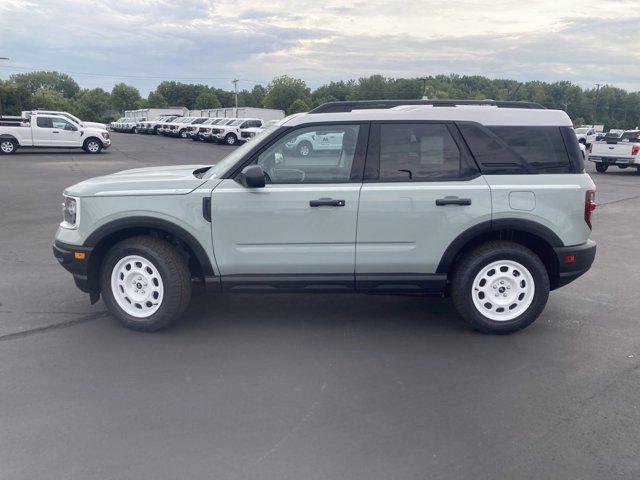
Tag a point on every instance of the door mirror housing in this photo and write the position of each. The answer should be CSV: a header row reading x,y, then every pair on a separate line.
x,y
252,177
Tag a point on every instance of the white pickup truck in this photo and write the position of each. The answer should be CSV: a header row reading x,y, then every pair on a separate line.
x,y
622,151
585,135
27,114
52,131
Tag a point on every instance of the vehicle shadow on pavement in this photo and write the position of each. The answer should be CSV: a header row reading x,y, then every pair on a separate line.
x,y
352,311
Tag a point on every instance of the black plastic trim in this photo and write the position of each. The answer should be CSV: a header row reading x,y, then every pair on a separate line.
x,y
401,283
522,225
584,255
153,223
348,106
288,283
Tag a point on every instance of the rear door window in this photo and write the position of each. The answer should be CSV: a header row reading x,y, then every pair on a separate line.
x,y
419,152
44,122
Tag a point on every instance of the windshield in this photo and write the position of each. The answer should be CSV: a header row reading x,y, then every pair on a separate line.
x,y
199,120
230,160
233,123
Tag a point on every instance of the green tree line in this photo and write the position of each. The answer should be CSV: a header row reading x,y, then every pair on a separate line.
x,y
611,106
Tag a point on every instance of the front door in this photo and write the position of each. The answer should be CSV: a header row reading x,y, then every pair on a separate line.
x,y
421,191
302,224
64,133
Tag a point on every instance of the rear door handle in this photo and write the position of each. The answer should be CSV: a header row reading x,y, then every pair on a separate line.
x,y
327,202
453,201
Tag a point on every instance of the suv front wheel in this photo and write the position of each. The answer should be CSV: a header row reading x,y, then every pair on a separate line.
x,y
145,283
500,287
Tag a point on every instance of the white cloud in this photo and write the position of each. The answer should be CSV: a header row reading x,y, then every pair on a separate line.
x,y
585,42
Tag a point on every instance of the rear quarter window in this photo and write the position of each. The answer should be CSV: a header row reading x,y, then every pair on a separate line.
x,y
518,149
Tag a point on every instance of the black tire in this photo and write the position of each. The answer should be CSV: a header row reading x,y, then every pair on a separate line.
x,y
134,130
155,130
173,270
305,148
469,266
92,146
8,146
231,139
601,167
583,141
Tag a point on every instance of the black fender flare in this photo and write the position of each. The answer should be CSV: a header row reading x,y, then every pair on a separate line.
x,y
158,224
518,224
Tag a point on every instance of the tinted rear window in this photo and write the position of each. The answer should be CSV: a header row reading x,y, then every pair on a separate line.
x,y
518,149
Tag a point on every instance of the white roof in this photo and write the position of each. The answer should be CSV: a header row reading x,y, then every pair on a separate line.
x,y
483,114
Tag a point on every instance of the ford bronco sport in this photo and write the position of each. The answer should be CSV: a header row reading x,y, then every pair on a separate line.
x,y
486,202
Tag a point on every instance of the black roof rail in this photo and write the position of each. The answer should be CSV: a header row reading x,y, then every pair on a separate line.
x,y
348,106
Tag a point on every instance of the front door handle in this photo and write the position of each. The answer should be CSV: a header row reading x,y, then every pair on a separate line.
x,y
327,202
453,201
55,131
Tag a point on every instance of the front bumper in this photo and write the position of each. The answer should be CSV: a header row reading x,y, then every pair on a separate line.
x,y
76,260
573,262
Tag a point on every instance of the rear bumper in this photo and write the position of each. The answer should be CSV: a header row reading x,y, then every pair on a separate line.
x,y
628,161
573,262
78,267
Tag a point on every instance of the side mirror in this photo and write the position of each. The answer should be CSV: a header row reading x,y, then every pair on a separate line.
x,y
252,177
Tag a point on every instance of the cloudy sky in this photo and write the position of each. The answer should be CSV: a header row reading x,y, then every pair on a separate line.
x,y
142,42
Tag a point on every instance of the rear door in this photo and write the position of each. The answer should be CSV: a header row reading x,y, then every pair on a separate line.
x,y
41,130
421,190
302,224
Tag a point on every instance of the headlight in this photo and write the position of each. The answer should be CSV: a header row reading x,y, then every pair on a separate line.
x,y
70,212
105,135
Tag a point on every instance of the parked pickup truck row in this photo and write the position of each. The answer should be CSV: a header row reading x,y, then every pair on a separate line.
x,y
46,129
208,129
623,151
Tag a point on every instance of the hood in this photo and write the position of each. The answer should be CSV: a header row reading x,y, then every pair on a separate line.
x,y
101,126
169,180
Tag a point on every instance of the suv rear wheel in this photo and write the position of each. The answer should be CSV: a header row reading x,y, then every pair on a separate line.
x,y
500,287
145,283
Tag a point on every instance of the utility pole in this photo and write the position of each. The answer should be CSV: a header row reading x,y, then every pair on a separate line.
x,y
424,88
1,106
595,108
235,88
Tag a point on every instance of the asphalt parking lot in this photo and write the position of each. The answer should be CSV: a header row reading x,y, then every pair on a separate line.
x,y
307,386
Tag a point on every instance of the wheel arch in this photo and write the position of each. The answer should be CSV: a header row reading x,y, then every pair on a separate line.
x,y
103,238
535,236
92,137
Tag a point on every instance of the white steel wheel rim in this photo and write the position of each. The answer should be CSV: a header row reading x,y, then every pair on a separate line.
x,y
231,139
137,286
503,290
92,146
7,146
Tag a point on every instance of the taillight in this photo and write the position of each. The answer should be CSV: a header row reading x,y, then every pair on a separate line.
x,y
589,206
635,150
591,148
